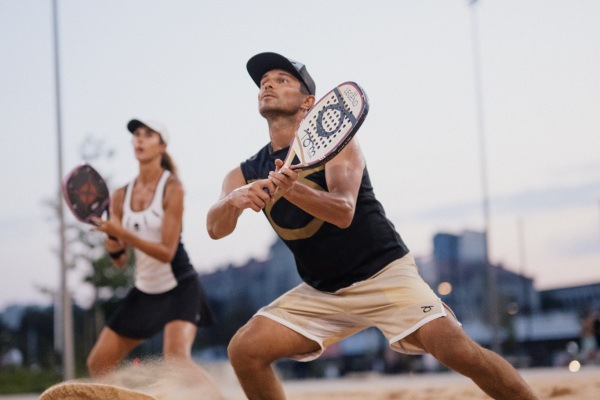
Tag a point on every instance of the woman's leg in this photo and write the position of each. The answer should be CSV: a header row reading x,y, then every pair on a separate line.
x,y
110,349
177,350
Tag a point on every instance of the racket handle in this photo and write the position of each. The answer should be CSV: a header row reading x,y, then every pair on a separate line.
x,y
286,164
108,217
110,237
289,158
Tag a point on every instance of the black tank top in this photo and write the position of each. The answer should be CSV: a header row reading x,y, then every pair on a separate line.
x,y
329,258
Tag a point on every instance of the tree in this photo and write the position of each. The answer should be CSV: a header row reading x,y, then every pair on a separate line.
x,y
85,252
109,283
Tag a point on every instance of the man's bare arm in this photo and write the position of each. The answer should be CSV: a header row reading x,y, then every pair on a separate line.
x,y
236,196
343,174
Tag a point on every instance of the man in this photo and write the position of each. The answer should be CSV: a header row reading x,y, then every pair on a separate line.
x,y
357,271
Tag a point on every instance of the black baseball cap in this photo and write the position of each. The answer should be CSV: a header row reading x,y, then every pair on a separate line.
x,y
262,63
156,126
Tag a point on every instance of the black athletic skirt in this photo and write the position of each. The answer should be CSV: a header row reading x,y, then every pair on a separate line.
x,y
141,315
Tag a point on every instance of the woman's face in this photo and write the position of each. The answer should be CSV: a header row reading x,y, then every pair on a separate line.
x,y
147,144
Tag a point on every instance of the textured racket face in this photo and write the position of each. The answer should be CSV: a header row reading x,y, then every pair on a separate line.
x,y
86,193
330,125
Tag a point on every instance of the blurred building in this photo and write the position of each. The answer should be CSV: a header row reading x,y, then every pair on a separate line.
x,y
256,283
461,278
583,298
536,326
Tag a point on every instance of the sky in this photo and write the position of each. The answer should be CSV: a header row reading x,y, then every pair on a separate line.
x,y
183,63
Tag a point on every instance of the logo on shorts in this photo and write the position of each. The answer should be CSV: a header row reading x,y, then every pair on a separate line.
x,y
426,309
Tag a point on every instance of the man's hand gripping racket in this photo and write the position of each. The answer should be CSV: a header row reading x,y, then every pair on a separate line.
x,y
328,127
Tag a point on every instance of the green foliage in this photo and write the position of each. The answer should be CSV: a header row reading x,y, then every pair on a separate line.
x,y
37,325
85,253
103,274
108,281
23,380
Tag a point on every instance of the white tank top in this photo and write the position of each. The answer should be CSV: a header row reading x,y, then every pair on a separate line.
x,y
151,275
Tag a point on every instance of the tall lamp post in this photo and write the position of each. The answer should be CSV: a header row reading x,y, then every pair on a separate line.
x,y
66,312
491,270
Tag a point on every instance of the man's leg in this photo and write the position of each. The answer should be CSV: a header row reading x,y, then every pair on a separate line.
x,y
451,346
255,347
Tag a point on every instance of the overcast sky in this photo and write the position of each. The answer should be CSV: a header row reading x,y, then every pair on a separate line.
x,y
183,63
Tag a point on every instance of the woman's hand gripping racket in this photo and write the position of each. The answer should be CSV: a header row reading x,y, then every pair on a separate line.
x,y
328,127
86,194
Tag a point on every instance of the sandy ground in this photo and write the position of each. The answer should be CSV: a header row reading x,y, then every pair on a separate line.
x,y
555,384
548,383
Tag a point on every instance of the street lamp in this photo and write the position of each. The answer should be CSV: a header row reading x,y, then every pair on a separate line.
x,y
66,312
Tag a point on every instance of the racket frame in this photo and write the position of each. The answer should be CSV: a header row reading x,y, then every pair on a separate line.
x,y
318,108
104,205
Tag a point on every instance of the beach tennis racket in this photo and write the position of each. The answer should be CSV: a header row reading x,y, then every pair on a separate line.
x,y
86,193
328,126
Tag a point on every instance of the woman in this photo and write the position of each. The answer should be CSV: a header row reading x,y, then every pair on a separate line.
x,y
147,215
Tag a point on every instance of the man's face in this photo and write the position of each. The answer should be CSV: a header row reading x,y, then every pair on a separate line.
x,y
279,94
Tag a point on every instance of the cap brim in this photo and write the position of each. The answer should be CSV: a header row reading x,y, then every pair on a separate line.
x,y
156,126
262,63
134,124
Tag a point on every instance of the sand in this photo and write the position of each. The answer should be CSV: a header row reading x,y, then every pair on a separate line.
x,y
559,384
549,383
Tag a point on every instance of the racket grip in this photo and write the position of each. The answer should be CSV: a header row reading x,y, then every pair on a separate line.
x,y
110,237
287,162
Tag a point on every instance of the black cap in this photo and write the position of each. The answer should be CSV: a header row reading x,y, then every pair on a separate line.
x,y
262,63
156,126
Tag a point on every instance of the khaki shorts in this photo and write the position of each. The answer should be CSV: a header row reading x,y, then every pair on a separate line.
x,y
396,300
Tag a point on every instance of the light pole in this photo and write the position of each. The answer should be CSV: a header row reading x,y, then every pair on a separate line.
x,y
491,270
66,312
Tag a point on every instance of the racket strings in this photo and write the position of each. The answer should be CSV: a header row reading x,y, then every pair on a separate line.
x,y
86,192
328,124
332,121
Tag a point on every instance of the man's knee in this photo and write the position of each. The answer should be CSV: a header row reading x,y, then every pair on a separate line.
x,y
240,348
252,346
449,344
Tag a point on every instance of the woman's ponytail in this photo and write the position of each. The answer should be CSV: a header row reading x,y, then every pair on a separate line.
x,y
167,163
